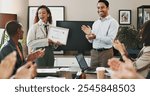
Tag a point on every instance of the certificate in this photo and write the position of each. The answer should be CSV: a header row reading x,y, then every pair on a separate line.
x,y
58,34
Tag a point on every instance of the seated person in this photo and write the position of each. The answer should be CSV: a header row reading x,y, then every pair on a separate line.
x,y
15,33
142,63
27,71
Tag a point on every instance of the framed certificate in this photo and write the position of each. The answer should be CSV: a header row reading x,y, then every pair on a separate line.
x,y
58,34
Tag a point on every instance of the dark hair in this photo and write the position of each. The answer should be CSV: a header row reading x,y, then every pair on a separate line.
x,y
105,2
12,27
36,19
146,33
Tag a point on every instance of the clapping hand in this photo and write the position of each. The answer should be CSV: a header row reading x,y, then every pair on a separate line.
x,y
120,47
7,66
123,70
27,71
86,29
37,54
90,36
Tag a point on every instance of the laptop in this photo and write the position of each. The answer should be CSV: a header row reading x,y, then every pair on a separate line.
x,y
83,64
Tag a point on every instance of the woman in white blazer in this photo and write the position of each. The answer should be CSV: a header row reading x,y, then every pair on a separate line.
x,y
37,37
142,63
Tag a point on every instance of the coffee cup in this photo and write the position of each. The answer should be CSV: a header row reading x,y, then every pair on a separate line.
x,y
100,72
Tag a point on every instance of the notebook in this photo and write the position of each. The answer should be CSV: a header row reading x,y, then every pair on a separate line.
x,y
83,64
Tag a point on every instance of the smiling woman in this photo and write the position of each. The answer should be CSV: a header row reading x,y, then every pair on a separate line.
x,y
38,36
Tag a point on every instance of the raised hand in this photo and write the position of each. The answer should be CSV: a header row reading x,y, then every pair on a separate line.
x,y
7,66
27,71
86,29
37,54
120,47
123,70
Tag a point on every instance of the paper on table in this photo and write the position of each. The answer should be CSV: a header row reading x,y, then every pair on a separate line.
x,y
64,69
49,77
47,70
58,34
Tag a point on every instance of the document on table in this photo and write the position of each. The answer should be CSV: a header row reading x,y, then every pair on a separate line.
x,y
47,70
58,34
49,77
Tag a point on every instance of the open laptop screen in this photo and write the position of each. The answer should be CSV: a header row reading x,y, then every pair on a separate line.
x,y
81,61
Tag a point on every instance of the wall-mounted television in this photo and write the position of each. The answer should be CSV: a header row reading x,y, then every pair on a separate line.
x,y
76,38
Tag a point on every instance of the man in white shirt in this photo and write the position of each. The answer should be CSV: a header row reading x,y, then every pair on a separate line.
x,y
101,35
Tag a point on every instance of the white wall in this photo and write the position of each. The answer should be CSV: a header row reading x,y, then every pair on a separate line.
x,y
18,7
86,9
74,9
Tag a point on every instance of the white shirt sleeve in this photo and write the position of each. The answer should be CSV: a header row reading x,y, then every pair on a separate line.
x,y
35,40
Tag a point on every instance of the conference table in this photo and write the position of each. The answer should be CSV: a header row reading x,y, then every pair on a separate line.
x,y
65,73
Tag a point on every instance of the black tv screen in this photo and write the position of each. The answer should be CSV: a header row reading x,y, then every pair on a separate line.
x,y
76,38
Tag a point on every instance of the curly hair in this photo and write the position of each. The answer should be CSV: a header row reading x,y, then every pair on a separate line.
x,y
36,19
